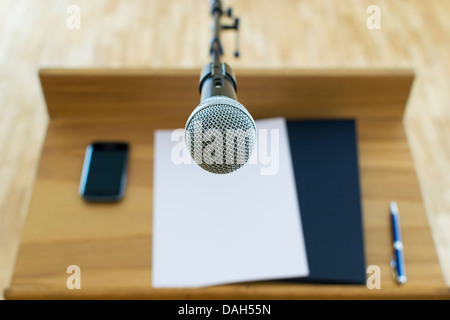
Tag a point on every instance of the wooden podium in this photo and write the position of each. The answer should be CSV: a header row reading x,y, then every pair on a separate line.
x,y
112,243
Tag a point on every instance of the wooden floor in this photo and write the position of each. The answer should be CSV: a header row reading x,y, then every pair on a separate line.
x,y
156,33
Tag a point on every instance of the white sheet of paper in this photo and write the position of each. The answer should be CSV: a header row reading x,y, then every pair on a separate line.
x,y
213,229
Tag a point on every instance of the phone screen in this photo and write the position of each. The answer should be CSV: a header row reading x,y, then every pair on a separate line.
x,y
104,171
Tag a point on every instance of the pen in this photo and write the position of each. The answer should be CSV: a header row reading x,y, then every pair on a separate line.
x,y
398,261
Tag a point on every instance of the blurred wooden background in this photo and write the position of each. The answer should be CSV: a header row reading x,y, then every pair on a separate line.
x,y
174,33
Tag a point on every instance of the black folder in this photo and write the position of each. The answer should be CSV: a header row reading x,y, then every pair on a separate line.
x,y
325,159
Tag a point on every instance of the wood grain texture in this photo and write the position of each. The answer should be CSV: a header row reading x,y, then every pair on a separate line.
x,y
83,94
112,242
298,34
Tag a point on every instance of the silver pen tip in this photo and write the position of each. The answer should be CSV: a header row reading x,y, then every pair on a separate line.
x,y
401,279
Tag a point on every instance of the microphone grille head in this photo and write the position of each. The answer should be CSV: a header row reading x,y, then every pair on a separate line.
x,y
220,135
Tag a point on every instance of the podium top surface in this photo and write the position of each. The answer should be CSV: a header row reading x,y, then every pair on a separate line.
x,y
112,243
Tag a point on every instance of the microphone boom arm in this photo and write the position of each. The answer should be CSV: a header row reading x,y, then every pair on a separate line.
x,y
217,78
216,49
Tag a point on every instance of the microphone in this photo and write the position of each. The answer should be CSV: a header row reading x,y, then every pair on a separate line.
x,y
220,132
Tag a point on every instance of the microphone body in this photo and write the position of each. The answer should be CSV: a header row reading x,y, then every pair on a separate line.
x,y
217,80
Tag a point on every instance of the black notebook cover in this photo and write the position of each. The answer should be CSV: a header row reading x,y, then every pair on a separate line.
x,y
325,160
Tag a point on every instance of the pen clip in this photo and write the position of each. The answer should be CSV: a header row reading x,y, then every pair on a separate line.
x,y
394,267
400,279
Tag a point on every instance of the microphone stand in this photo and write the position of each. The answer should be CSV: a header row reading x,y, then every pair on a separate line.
x,y
217,78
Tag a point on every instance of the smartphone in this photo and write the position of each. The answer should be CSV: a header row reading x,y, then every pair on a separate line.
x,y
104,174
